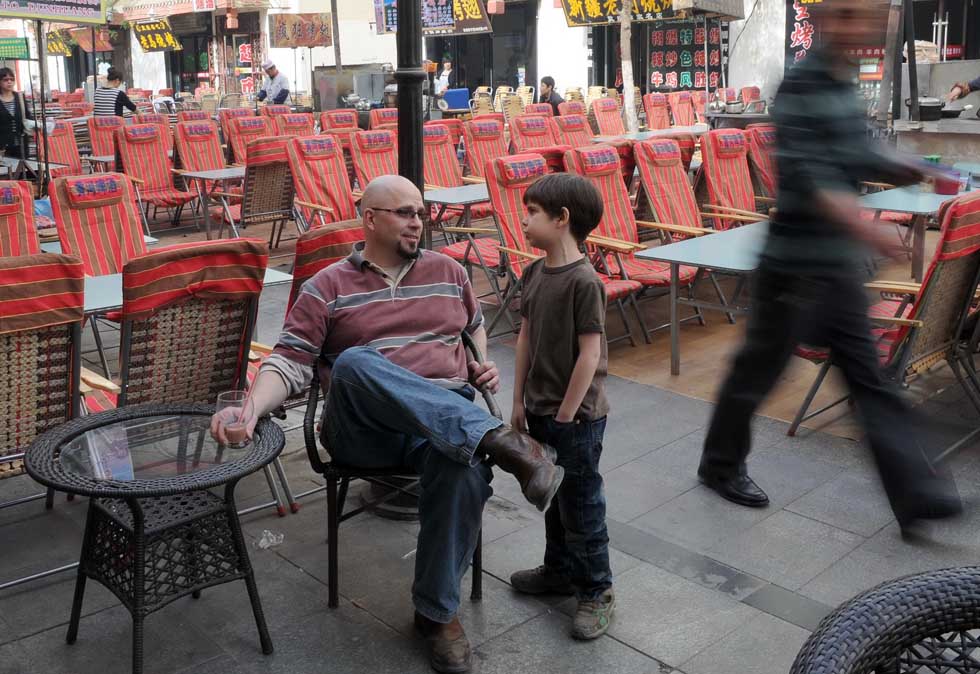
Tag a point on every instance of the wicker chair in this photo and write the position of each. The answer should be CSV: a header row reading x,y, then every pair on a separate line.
x,y
498,104
267,191
484,140
295,124
244,130
511,106
481,104
526,94
383,118
926,622
681,108
374,153
533,133
574,94
323,192
102,134
658,111
18,234
726,180
762,163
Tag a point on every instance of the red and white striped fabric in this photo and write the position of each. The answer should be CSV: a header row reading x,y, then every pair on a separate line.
x,y
572,108
762,163
61,149
320,177
540,109
681,108
725,167
225,117
699,100
383,118
750,94
608,118
507,181
143,155
484,140
161,120
194,116
18,234
572,130
455,127
658,111
295,124
275,110
339,123
534,133
102,132
374,153
442,168
666,185
244,130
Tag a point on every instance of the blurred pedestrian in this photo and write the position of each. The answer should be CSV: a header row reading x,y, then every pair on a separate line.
x,y
809,284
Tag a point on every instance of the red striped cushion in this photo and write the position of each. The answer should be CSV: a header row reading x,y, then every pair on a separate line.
x,y
541,109
99,190
266,151
320,176
381,118
338,119
274,110
728,143
295,124
571,108
40,290
521,168
375,141
193,116
434,134
960,233
573,130
599,160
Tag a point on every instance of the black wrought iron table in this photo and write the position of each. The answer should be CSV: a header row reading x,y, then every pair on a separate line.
x,y
158,526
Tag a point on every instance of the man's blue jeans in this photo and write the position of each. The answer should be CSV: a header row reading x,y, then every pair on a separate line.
x,y
381,415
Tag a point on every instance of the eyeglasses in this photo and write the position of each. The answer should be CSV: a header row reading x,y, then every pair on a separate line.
x,y
406,212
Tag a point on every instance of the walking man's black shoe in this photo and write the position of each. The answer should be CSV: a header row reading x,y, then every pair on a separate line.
x,y
739,489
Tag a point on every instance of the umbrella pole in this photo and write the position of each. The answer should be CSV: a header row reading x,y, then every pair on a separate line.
x,y
46,171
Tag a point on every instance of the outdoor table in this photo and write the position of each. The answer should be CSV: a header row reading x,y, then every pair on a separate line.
x,y
202,178
463,196
55,246
740,119
14,166
973,168
696,130
105,293
735,250
919,204
155,530
103,160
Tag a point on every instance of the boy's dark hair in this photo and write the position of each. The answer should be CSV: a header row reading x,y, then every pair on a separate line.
x,y
567,190
549,80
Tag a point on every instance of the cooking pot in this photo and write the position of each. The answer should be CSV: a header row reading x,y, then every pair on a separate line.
x,y
930,109
734,108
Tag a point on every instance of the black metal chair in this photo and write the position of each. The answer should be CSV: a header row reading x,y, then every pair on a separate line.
x,y
928,622
338,480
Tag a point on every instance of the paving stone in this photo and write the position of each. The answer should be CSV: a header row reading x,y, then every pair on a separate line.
x,y
13,659
765,645
786,549
638,487
669,618
849,502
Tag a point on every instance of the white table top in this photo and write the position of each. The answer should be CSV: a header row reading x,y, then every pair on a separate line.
x,y
736,250
458,196
695,130
230,173
910,199
55,246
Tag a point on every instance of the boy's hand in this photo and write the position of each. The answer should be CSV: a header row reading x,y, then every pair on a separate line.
x,y
518,420
485,377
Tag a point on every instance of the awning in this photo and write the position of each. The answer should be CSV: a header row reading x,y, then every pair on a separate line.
x,y
726,10
135,10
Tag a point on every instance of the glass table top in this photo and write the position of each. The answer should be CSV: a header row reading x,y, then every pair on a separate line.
x,y
148,448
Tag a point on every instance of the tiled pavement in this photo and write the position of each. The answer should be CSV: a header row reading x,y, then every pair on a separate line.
x,y
704,587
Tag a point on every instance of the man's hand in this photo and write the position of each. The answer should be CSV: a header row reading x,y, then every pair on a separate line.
x,y
220,420
485,377
518,419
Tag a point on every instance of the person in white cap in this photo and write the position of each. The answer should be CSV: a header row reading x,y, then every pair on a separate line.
x,y
276,86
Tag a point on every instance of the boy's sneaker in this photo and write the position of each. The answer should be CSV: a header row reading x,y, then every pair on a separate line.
x,y
541,581
593,617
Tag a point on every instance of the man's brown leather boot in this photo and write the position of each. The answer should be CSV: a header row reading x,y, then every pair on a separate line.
x,y
449,649
532,463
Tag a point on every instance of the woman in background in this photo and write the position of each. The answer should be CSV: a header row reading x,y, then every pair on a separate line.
x,y
13,115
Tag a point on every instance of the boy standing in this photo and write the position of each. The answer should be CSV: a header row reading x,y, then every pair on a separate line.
x,y
559,393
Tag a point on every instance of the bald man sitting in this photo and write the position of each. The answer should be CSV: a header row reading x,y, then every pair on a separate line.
x,y
384,327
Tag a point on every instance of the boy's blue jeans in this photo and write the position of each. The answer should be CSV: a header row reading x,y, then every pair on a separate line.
x,y
577,544
378,415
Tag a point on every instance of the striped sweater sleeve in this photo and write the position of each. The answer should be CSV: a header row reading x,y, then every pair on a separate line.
x,y
302,336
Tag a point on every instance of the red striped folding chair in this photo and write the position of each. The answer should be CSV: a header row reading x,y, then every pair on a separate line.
x,y
726,95
295,124
687,144
142,155
607,117
929,322
225,117
762,163
681,108
383,118
572,130
374,153
267,191
572,108
508,180
339,123
274,110
534,133
699,99
18,233
453,125
726,179
198,148
102,133
658,111
497,116
79,109
243,131
484,141
541,109
161,120
323,193
62,149
194,116
750,94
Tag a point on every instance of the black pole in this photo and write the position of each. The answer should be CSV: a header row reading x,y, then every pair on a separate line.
x,y
409,77
913,73
46,170
95,69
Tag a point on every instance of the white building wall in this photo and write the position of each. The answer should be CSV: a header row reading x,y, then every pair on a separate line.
x,y
562,51
757,47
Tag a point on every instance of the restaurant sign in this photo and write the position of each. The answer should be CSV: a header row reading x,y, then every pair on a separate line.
x,y
156,35
14,48
439,17
677,56
593,12
57,45
300,30
66,11
802,29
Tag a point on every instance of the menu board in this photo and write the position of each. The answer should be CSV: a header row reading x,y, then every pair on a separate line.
x,y
439,17
14,48
66,11
802,29
156,35
592,12
677,56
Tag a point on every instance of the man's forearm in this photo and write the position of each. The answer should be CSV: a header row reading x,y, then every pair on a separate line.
x,y
268,392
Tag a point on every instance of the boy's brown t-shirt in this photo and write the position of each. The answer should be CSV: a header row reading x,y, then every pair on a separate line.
x,y
559,304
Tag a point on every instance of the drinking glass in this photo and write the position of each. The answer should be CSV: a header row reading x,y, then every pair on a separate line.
x,y
241,410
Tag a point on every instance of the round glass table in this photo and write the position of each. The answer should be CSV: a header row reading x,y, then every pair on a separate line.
x,y
162,521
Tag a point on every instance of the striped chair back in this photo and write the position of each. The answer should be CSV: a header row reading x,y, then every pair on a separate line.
x,y
18,234
608,119
484,140
79,109
374,153
62,149
383,118
97,221
725,168
340,124
531,131
762,160
319,176
273,110
321,247
194,116
947,293
600,165
699,100
573,130
42,305
268,186
243,131
454,126
507,180
726,95
542,109
295,124
681,108
572,108
658,111
439,158
511,105
102,133
187,318
198,147
750,94
142,154
225,117
161,120
688,144
665,183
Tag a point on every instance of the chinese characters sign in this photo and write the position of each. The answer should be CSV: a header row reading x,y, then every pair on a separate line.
x,y
156,36
678,59
802,29
590,12
56,44
439,17
300,30
67,11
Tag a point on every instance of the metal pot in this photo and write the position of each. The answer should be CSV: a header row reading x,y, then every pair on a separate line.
x,y
734,108
930,109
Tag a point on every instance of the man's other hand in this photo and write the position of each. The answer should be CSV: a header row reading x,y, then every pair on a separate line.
x,y
484,376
